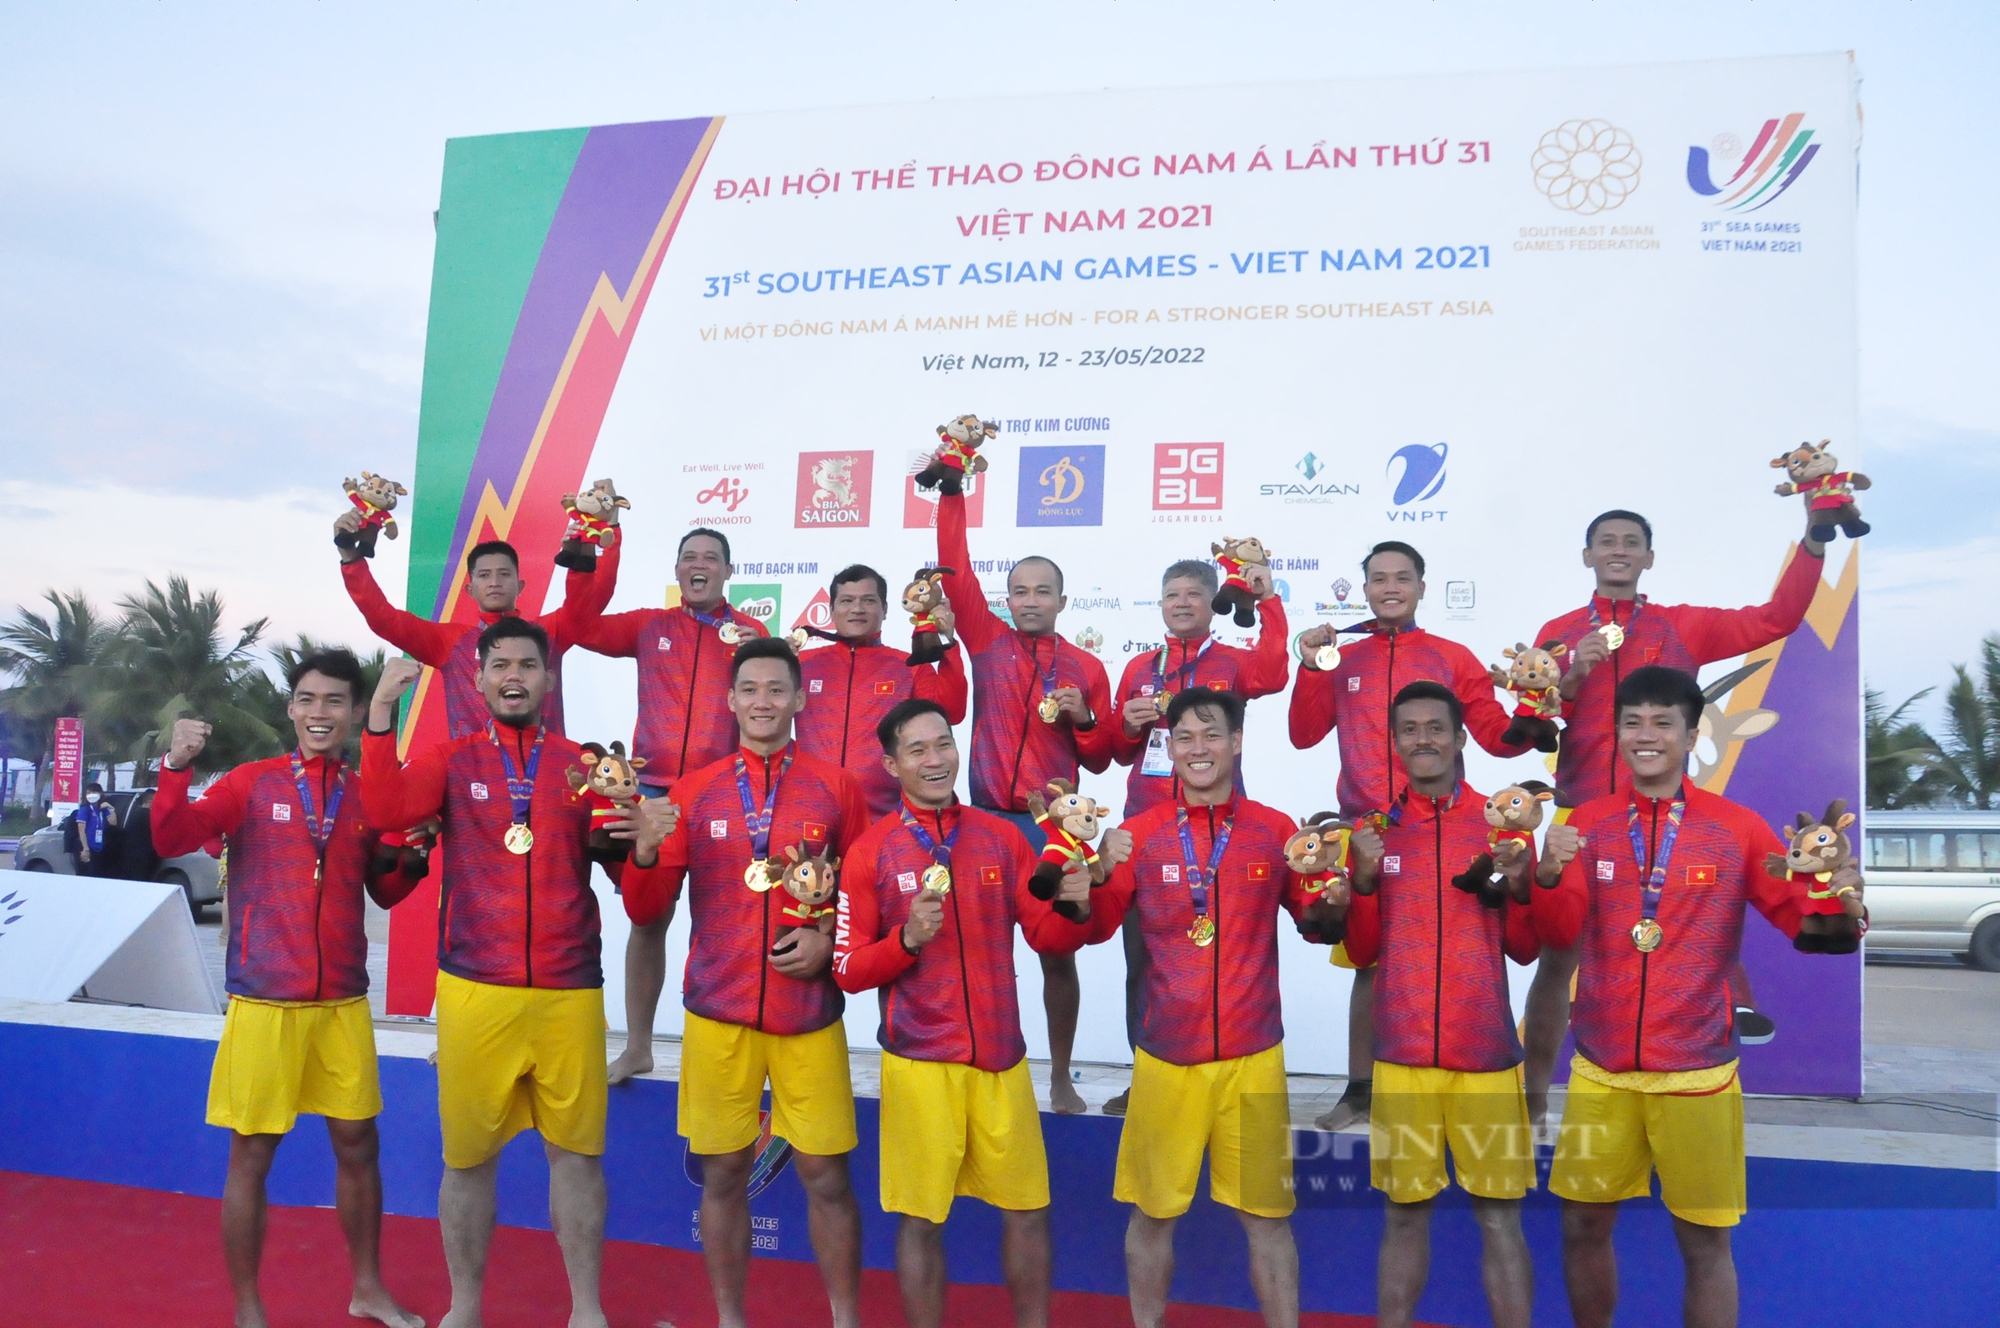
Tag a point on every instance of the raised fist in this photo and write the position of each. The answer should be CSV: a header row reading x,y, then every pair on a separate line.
x,y
398,676
189,737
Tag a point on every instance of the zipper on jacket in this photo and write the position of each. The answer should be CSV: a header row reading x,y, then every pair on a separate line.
x,y
1437,968
1027,713
964,974
1389,726
764,967
847,707
319,895
1613,754
1215,910
1645,874
687,719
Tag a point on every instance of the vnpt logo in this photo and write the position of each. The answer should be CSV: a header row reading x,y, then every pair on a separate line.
x,y
1187,477
1778,157
1423,472
1061,486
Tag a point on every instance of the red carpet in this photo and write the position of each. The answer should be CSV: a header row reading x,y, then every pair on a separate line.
x,y
90,1255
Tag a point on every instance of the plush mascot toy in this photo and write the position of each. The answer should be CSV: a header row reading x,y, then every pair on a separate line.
x,y
923,600
1534,678
375,498
957,455
1828,490
1512,815
609,785
1236,557
1070,821
403,853
1835,920
593,525
1317,855
811,882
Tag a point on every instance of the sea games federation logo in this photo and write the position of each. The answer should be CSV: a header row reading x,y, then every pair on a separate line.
x,y
1420,477
1778,157
1587,166
833,489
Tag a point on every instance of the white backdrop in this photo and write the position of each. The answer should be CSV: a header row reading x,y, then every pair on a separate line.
x,y
1645,346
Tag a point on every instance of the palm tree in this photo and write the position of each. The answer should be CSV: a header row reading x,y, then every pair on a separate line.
x,y
1972,725
1904,764
55,660
171,662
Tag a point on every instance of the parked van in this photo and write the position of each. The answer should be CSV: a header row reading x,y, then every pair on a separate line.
x,y
1934,882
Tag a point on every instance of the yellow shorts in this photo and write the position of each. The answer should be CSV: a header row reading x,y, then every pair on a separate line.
x,y
723,1069
1337,956
279,1060
1418,1112
1235,1110
514,1058
950,1129
1613,1138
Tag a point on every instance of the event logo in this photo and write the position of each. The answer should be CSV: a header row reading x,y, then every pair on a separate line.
x,y
760,600
769,1157
729,492
1187,477
1423,472
1091,639
1061,486
1587,166
834,489
818,613
920,505
1779,156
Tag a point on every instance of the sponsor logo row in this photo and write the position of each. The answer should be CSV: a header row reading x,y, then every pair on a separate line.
x,y
1064,485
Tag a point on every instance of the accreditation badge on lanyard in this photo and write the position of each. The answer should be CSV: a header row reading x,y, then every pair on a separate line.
x,y
1158,759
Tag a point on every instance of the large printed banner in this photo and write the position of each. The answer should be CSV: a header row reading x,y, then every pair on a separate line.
x,y
1466,312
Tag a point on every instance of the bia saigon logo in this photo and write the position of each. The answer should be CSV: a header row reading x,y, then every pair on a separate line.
x,y
1778,157
1061,486
833,489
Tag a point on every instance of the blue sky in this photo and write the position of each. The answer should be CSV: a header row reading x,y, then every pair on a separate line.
x,y
215,223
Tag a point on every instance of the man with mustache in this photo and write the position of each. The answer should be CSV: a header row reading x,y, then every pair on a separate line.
x,y
1354,696
761,1004
520,1003
1616,632
298,1038
685,723
854,682
1041,707
1650,885
930,898
1445,1049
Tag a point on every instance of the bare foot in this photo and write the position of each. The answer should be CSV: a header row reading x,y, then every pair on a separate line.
x,y
462,1318
1351,1110
590,1318
1538,1109
251,1316
1064,1100
631,1062
1116,1106
379,1305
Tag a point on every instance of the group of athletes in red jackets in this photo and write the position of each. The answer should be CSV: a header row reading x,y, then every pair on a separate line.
x,y
754,754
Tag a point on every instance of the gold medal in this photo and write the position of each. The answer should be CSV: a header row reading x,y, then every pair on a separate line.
x,y
1646,935
1049,709
1203,931
1327,658
519,839
730,633
1613,634
758,876
937,878
1163,700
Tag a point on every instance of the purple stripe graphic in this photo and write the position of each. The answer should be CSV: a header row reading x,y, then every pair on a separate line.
x,y
618,190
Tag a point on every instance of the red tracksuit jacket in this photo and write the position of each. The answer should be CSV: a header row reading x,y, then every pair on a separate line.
x,y
1438,948
452,648
684,717
1679,636
729,973
1356,695
1014,753
291,937
849,687
1259,671
509,920
955,1000
1220,1001
1671,1009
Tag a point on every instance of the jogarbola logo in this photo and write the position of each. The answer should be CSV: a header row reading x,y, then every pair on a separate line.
x,y
1587,166
1779,156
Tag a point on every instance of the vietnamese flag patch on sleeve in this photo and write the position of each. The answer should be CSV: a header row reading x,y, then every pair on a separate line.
x,y
989,876
1260,871
1701,875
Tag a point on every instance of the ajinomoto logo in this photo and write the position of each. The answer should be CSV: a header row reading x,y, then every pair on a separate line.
x,y
1061,486
1587,166
1774,161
